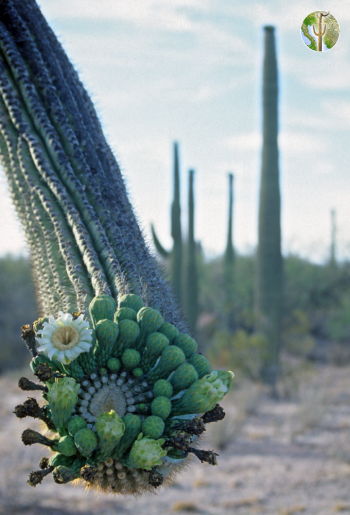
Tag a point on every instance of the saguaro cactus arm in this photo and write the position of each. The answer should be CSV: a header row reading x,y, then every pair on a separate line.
x,y
176,253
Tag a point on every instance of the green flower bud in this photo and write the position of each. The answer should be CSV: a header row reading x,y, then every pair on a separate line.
x,y
147,453
110,428
114,364
107,334
86,441
149,320
75,424
161,407
125,314
153,427
137,372
129,332
170,359
64,475
203,394
155,344
200,363
183,377
162,387
61,459
169,330
130,358
133,425
62,397
131,301
66,446
102,307
187,344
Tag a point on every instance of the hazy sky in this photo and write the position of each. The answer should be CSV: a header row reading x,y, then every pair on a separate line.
x,y
190,71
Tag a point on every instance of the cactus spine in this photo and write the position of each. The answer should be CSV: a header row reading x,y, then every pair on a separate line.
x,y
192,275
176,253
269,258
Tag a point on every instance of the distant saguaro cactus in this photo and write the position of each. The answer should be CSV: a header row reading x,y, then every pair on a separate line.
x,y
269,258
111,349
192,273
229,261
320,33
176,253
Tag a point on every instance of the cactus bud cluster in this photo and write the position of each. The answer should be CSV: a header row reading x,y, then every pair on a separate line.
x,y
142,397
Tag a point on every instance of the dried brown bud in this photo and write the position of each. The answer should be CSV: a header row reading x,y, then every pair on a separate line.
x,y
194,427
29,436
44,463
20,411
88,473
27,386
36,477
155,478
207,456
43,372
214,415
28,335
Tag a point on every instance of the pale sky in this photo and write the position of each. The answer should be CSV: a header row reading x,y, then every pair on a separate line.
x,y
190,71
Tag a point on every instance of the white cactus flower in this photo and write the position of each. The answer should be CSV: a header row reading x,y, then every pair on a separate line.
x,y
64,339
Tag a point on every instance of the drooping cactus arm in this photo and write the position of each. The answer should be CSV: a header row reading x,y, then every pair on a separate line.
x,y
63,177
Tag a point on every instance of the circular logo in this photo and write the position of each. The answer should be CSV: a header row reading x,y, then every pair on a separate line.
x,y
320,31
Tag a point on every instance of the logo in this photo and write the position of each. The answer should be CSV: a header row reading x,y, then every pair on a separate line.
x,y
320,31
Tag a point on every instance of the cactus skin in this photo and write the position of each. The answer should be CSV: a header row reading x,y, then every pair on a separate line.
x,y
88,255
269,257
176,233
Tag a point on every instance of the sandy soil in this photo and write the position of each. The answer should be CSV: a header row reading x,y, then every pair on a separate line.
x,y
284,457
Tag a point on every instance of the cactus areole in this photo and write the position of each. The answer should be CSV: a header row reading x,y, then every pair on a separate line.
x,y
126,393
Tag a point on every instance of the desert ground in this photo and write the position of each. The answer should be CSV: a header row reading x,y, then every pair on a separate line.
x,y
277,457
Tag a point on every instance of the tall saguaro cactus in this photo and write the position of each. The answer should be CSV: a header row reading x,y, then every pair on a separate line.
x,y
112,334
176,253
269,258
192,273
229,261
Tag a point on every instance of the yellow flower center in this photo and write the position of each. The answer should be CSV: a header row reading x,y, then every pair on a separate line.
x,y
65,337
